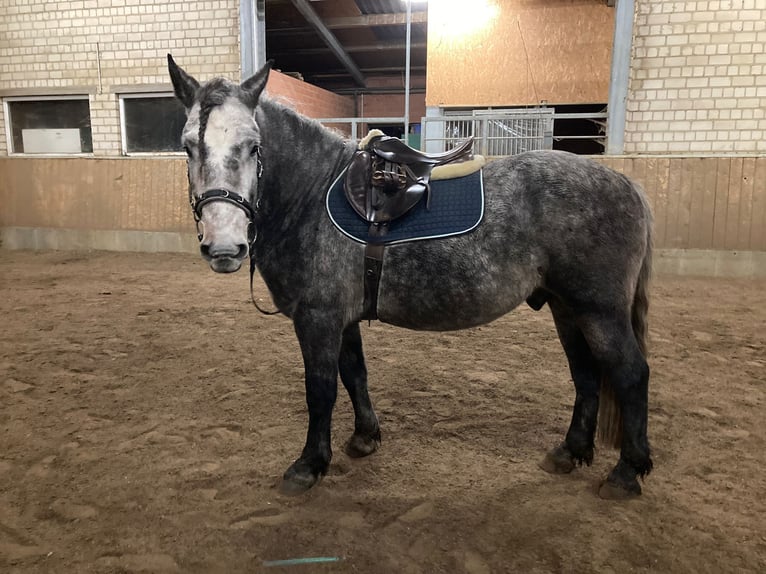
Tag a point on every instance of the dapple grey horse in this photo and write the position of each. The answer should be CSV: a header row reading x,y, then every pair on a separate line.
x,y
557,229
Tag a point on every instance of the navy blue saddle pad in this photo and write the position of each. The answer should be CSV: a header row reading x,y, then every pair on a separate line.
x,y
457,206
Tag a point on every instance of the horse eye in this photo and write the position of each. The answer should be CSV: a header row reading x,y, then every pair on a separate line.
x,y
254,151
188,151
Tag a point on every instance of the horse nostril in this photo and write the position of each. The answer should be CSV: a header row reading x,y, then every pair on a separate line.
x,y
223,250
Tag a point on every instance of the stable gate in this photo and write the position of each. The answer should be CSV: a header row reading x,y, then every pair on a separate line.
x,y
496,132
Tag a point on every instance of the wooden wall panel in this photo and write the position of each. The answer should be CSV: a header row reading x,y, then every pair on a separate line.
x,y
733,203
758,228
721,203
661,204
521,52
99,194
702,202
698,203
707,183
746,203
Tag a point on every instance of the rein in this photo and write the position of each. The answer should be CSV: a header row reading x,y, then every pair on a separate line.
x,y
258,216
254,215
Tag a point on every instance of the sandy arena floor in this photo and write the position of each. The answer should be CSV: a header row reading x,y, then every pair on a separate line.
x,y
147,412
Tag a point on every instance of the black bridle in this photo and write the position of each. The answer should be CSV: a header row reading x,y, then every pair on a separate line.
x,y
253,212
220,194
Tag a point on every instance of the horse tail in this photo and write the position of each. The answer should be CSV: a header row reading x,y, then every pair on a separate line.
x,y
640,311
609,412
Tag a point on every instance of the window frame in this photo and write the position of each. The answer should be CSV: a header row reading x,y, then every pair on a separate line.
x,y
7,100
122,96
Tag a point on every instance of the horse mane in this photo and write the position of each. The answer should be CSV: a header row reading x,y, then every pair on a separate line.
x,y
296,121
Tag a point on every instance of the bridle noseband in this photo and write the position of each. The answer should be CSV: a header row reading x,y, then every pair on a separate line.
x,y
220,194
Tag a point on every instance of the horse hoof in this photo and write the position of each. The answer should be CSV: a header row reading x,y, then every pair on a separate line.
x,y
610,491
359,445
558,461
295,482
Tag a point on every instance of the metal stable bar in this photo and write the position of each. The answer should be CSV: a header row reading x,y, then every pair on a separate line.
x,y
354,123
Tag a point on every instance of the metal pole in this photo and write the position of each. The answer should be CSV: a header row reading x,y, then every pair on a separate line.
x,y
619,77
252,36
260,34
407,74
247,55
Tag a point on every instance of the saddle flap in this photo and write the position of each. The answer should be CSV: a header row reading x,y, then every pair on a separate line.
x,y
357,183
380,191
387,178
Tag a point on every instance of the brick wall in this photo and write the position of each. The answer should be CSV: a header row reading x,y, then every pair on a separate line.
x,y
308,99
45,44
698,78
392,105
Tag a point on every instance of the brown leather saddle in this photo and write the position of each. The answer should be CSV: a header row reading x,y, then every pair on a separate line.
x,y
385,179
388,178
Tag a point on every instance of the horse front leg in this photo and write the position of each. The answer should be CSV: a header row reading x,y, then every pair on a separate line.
x,y
319,335
353,373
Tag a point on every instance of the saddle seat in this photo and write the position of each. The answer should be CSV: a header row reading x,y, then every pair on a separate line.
x,y
387,178
395,150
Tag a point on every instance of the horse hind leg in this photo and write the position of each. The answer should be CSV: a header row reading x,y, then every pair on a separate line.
x,y
617,350
577,447
353,374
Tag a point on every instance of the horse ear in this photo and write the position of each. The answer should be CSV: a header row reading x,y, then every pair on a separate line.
x,y
254,85
183,84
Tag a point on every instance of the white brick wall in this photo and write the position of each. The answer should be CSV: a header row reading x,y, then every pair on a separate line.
x,y
46,44
698,81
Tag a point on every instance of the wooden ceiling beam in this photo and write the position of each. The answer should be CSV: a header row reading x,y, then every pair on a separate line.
x,y
382,47
369,20
329,38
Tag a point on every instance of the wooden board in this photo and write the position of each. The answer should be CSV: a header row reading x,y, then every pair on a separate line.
x,y
747,187
733,203
721,203
519,52
758,228
99,194
661,203
698,203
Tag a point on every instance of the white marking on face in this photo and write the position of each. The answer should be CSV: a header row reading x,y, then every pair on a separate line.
x,y
220,136
228,125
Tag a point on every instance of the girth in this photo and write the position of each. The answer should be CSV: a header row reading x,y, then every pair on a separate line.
x,y
385,180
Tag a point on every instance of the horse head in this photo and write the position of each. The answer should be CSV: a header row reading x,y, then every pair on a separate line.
x,y
222,143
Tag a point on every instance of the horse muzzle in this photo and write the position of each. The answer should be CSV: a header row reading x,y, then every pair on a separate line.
x,y
220,245
224,258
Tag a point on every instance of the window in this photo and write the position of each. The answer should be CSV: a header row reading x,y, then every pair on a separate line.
x,y
151,123
49,124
